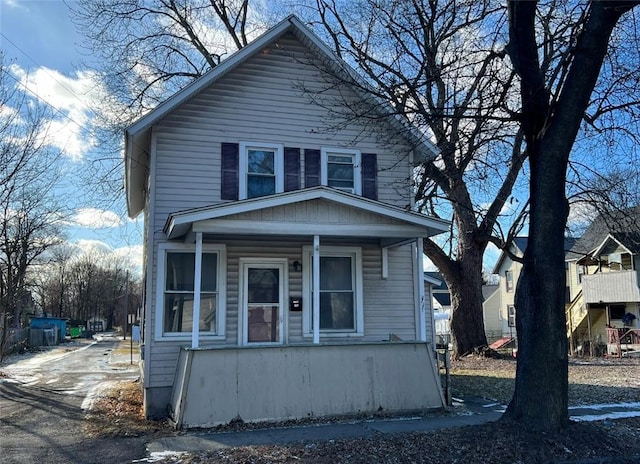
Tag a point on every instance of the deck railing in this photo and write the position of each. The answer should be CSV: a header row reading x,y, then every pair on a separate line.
x,y
623,336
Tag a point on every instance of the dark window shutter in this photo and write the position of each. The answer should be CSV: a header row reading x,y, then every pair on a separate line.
x,y
311,168
229,190
369,176
291,169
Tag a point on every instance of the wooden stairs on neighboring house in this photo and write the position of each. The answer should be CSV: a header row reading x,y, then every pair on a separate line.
x,y
576,313
501,343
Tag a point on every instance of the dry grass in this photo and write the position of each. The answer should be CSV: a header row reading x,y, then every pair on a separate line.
x,y
119,413
591,381
598,381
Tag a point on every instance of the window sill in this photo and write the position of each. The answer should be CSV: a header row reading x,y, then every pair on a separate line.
x,y
187,338
335,335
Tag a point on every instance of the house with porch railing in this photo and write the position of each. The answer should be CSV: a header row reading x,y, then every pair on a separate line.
x,y
604,276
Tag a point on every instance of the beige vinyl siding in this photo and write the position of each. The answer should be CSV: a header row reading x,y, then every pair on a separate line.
x,y
261,101
388,303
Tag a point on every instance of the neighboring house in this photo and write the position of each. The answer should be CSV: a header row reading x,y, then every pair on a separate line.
x,y
490,311
604,280
441,302
499,308
255,193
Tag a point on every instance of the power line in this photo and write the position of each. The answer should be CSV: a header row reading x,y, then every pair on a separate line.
x,y
45,70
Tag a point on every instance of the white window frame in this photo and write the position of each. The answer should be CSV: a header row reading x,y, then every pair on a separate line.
x,y
243,327
511,316
243,167
357,166
307,300
509,283
221,285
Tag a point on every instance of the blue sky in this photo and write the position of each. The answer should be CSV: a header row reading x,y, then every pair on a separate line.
x,y
40,43
38,37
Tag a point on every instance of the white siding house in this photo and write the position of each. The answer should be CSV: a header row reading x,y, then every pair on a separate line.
x,y
255,194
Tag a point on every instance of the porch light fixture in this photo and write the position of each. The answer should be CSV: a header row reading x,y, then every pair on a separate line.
x,y
297,266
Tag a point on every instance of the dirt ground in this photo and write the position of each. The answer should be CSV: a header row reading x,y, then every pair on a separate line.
x,y
592,381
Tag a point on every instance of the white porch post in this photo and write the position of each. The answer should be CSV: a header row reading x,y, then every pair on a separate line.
x,y
195,331
422,310
316,289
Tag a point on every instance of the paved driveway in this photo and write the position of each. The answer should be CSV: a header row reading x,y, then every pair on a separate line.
x,y
43,400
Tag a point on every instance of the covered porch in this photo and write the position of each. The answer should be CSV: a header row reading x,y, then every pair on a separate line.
x,y
216,385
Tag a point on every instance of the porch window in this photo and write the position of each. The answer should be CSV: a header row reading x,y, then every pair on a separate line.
x,y
341,169
508,275
176,274
340,291
261,169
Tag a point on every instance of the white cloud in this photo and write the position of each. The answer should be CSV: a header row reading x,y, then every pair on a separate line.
x,y
129,257
96,219
76,102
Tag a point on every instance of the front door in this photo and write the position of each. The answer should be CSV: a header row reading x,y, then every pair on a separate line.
x,y
263,290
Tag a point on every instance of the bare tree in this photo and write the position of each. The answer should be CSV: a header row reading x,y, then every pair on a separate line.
x,y
551,116
147,51
30,218
443,66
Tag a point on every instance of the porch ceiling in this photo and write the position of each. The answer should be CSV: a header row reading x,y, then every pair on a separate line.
x,y
315,211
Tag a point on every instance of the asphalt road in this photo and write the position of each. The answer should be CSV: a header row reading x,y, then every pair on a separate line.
x,y
43,401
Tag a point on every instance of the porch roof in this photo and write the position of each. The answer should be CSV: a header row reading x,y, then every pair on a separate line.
x,y
374,219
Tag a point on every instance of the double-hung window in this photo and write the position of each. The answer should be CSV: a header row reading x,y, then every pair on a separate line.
x,y
341,169
176,284
511,316
261,169
508,276
340,291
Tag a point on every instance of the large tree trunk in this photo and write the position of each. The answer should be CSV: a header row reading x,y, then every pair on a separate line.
x,y
541,392
465,284
540,399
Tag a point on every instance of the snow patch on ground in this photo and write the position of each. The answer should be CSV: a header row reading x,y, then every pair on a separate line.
x,y
95,392
611,415
160,455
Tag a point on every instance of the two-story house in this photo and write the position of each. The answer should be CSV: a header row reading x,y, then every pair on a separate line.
x,y
283,258
499,307
604,281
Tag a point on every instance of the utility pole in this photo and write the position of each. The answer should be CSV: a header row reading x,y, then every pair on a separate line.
x,y
126,304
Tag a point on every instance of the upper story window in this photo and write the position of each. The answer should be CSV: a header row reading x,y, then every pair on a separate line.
x,y
261,169
256,169
341,169
508,275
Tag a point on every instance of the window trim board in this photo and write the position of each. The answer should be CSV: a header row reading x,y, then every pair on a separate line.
x,y
243,165
357,166
307,309
221,301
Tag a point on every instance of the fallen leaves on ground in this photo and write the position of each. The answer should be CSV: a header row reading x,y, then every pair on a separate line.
x,y
119,413
592,381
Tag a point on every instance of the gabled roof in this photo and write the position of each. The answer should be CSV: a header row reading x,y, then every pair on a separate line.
x,y
137,136
520,243
624,225
437,276
519,246
178,224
